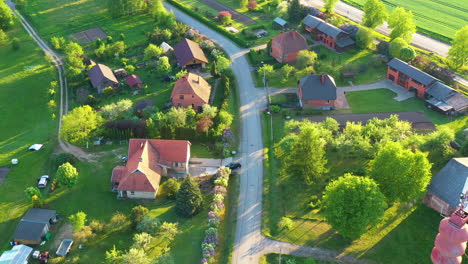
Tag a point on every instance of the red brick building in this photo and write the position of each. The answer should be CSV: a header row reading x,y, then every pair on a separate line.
x,y
286,46
330,35
191,90
409,77
317,91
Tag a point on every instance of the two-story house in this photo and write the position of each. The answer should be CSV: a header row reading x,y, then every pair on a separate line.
x,y
149,160
191,90
330,35
317,91
286,46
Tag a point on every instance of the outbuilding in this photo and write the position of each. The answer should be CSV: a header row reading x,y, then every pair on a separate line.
x,y
19,254
34,226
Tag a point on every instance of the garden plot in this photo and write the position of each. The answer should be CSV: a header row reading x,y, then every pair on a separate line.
x,y
89,35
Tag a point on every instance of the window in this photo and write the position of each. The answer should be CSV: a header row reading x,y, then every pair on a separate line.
x,y
327,102
179,104
181,96
132,193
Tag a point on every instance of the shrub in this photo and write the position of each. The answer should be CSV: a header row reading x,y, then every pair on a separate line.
x,y
117,221
78,221
169,230
170,188
138,212
84,235
64,157
285,223
148,225
67,175
275,108
31,191
97,226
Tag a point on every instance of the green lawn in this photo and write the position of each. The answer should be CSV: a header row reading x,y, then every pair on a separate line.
x,y
277,258
383,243
443,17
25,76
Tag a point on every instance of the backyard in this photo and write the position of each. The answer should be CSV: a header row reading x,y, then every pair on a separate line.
x,y
25,77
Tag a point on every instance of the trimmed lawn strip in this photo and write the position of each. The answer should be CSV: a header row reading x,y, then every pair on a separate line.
x,y
25,77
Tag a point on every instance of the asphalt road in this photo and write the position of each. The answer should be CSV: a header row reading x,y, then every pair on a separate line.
x,y
355,14
252,102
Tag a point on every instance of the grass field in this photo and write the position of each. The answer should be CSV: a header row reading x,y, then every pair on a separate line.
x,y
442,17
277,258
25,76
404,235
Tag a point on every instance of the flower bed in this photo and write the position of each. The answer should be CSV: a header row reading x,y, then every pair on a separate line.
x,y
209,245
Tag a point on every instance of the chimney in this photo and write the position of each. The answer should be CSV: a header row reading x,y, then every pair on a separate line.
x,y
322,78
198,80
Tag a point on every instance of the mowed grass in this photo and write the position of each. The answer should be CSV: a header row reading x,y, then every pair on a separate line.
x,y
405,234
25,76
443,17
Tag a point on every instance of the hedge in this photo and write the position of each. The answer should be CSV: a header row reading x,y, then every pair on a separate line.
x,y
209,23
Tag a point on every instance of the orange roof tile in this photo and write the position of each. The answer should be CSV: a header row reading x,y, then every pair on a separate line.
x,y
290,41
192,84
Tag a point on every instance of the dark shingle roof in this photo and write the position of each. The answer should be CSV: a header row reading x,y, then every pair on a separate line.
x,y
312,21
440,91
330,30
314,89
38,215
451,181
30,231
411,71
187,50
344,42
445,98
98,73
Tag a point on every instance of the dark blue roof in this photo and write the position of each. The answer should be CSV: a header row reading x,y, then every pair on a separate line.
x,y
411,71
440,91
314,89
312,21
451,181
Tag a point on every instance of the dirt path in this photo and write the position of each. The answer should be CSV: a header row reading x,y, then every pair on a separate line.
x,y
65,231
235,15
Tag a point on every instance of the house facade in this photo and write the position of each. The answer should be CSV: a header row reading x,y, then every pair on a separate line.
x,y
189,54
409,77
330,35
191,90
101,77
286,46
317,91
148,161
443,193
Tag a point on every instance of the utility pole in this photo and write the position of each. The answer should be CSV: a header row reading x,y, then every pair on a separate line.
x,y
268,103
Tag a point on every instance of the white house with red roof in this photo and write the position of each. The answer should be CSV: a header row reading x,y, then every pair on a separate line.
x,y
149,160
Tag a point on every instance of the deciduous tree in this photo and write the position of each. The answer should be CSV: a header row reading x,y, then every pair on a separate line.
x,y
138,212
458,52
402,24
374,13
135,256
286,71
79,123
189,200
163,66
296,11
407,53
170,188
6,16
364,38
142,240
67,175
305,58
396,46
330,5
401,173
353,203
78,221
152,52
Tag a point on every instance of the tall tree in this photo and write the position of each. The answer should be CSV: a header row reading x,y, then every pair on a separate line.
x,y
6,17
78,221
401,173
135,256
374,13
163,65
330,5
306,158
296,11
152,52
79,123
396,46
305,58
364,37
73,58
67,175
353,203
402,24
138,212
189,200
458,52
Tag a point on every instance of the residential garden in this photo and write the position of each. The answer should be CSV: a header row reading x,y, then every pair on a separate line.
x,y
308,222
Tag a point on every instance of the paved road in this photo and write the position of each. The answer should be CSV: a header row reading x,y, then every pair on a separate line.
x,y
252,101
355,14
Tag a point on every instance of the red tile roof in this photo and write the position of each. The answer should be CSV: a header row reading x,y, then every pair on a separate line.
x,y
192,84
133,80
145,157
187,50
290,42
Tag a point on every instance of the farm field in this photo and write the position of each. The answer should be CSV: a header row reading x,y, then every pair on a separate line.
x,y
25,77
442,17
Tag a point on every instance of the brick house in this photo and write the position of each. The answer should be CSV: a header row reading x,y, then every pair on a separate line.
x,y
286,46
189,54
191,90
149,160
101,77
317,91
330,35
409,77
443,193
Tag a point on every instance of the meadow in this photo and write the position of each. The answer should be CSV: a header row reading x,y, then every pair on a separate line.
x,y
442,17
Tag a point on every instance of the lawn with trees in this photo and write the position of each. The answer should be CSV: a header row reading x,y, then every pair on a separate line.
x,y
307,211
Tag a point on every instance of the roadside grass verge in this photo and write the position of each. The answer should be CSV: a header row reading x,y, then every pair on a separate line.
x,y
228,225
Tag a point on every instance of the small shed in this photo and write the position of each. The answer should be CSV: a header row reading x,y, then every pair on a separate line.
x,y
166,47
134,81
19,254
120,73
34,226
280,23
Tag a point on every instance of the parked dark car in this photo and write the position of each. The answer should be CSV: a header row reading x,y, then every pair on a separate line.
x,y
233,165
168,78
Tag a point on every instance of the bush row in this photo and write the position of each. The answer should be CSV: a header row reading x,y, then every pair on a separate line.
x,y
215,216
209,23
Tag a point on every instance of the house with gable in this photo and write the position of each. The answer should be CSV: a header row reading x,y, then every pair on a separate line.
x,y
317,91
286,46
189,54
148,161
330,35
101,77
443,193
191,90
